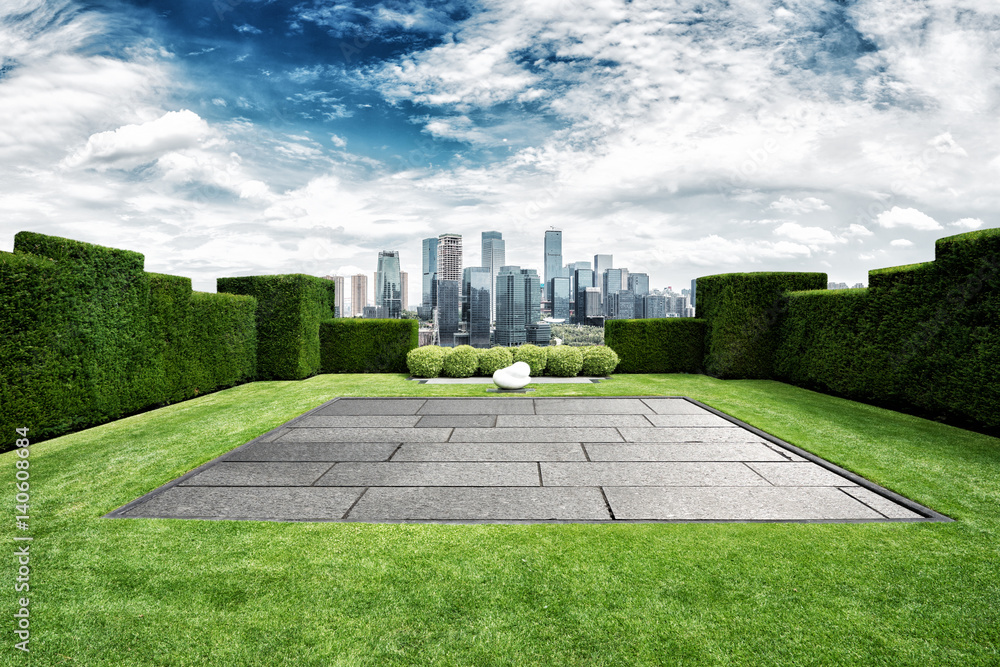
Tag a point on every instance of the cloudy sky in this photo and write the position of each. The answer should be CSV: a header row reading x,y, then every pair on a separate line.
x,y
685,137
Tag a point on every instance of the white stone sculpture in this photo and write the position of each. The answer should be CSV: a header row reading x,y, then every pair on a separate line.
x,y
515,376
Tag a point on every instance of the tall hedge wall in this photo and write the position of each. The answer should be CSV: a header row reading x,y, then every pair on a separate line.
x,y
923,338
289,311
350,345
668,345
86,336
742,311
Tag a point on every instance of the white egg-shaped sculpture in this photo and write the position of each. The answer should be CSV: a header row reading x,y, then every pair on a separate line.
x,y
515,376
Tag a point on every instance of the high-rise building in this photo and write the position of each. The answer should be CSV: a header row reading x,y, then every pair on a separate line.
x,y
494,256
511,312
570,270
359,294
611,283
449,312
625,275
601,264
430,262
388,285
476,303
404,281
449,256
694,292
532,296
653,305
553,259
338,295
638,284
619,305
583,280
561,297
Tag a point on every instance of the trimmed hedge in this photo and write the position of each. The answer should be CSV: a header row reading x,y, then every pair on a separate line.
x,y
224,337
660,345
493,359
564,361
598,360
536,357
743,311
426,361
461,361
349,345
289,310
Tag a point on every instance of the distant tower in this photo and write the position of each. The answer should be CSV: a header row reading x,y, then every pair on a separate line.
x,y
553,259
494,256
428,292
404,281
476,302
584,279
359,294
388,285
449,256
449,287
601,264
510,306
338,295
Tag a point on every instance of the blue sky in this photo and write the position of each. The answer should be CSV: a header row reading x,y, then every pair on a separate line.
x,y
236,137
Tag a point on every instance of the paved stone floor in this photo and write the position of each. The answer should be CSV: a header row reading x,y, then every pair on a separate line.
x,y
520,460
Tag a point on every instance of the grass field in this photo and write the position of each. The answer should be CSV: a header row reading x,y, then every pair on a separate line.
x,y
177,592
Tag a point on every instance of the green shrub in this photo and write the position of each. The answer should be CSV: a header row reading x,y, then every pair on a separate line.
x,y
536,357
289,310
598,360
224,338
564,361
660,345
493,359
426,361
461,362
351,345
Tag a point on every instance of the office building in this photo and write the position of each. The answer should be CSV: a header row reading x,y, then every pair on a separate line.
x,y
561,297
388,284
449,257
593,309
619,305
448,310
338,295
494,256
404,282
638,284
511,290
653,306
476,304
625,275
694,292
570,270
539,333
601,264
430,260
532,296
553,259
359,294
611,283
583,280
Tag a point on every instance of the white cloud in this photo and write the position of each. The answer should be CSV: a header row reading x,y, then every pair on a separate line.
x,y
812,236
907,217
339,142
859,231
901,243
131,145
967,223
797,206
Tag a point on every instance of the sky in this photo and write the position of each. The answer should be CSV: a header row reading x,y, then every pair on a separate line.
x,y
685,137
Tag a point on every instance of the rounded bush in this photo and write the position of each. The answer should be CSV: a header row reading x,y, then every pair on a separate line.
x,y
426,361
493,359
534,356
564,361
461,362
598,360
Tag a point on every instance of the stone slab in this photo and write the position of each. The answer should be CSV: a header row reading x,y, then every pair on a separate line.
x,y
736,504
580,421
706,420
305,503
491,451
685,434
881,504
674,406
431,474
478,406
536,435
372,406
453,421
358,421
799,474
240,473
480,504
649,474
590,406
365,435
315,451
736,451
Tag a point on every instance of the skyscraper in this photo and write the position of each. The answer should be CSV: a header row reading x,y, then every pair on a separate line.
x,y
611,283
449,286
388,285
638,283
694,292
570,270
404,281
338,295
449,257
510,306
428,294
553,259
601,264
494,256
584,279
476,300
654,305
532,297
359,294
561,296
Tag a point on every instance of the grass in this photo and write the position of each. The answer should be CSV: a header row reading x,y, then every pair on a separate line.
x,y
178,592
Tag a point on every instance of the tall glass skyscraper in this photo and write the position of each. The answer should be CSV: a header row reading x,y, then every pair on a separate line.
x,y
449,286
428,295
476,304
532,296
553,259
510,306
611,283
494,256
561,296
584,278
601,264
388,285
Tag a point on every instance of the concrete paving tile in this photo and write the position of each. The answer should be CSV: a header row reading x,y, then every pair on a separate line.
x,y
706,420
480,504
452,421
372,406
686,434
674,406
240,473
799,474
787,453
491,451
273,436
431,474
590,406
536,435
478,406
358,421
315,451
736,451
366,435
275,502
735,503
649,474
889,508
533,421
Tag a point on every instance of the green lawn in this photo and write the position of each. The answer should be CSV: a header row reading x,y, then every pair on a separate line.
x,y
172,592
